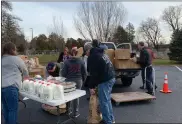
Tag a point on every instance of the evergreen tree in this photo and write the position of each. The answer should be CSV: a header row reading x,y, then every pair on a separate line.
x,y
176,46
131,32
120,36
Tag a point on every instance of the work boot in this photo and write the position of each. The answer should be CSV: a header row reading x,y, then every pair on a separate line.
x,y
103,122
88,98
76,114
142,87
155,86
151,93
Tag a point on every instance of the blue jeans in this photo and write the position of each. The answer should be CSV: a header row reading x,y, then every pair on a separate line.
x,y
149,78
9,100
104,94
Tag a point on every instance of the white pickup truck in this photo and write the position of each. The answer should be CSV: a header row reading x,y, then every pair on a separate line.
x,y
126,75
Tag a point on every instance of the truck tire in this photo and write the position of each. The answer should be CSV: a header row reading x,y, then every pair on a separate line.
x,y
126,81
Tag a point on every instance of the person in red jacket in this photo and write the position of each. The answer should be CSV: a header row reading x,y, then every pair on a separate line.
x,y
152,54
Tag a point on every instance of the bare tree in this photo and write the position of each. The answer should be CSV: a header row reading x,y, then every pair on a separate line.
x,y
57,27
172,16
150,31
99,20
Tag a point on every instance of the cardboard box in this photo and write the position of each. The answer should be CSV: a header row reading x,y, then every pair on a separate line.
x,y
122,54
134,65
36,61
125,64
80,52
110,53
23,57
121,64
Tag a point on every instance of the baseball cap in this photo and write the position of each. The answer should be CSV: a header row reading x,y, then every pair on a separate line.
x,y
50,66
103,46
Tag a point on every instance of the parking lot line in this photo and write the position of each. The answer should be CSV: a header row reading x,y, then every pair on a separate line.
x,y
178,68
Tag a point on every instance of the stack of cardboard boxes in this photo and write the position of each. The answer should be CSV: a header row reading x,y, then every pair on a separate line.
x,y
121,59
36,68
80,52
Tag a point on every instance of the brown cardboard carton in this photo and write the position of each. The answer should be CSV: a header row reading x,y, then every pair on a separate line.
x,y
134,64
121,64
36,61
110,53
122,54
80,52
125,64
23,57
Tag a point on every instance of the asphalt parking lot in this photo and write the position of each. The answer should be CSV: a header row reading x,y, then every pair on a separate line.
x,y
167,108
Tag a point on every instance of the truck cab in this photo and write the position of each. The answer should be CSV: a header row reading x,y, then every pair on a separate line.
x,y
126,75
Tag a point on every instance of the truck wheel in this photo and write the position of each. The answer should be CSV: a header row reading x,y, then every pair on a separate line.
x,y
126,81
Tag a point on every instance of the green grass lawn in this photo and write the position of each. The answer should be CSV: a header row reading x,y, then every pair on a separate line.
x,y
44,59
164,62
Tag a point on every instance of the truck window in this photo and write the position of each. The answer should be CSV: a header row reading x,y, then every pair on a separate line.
x,y
109,45
123,46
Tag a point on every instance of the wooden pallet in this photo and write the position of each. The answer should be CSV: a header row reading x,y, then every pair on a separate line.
x,y
131,96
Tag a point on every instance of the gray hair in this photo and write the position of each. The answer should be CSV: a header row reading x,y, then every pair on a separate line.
x,y
145,44
87,47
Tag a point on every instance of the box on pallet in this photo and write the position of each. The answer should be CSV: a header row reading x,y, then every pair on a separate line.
x,y
122,54
36,59
110,53
125,64
80,52
23,57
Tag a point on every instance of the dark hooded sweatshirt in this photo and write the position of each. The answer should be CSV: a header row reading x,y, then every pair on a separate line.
x,y
100,67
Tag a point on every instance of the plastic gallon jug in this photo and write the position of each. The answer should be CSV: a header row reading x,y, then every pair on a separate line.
x,y
25,85
40,91
21,86
37,87
58,92
38,77
53,85
48,92
36,83
31,88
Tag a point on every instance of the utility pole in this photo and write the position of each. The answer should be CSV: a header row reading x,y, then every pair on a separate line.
x,y
32,32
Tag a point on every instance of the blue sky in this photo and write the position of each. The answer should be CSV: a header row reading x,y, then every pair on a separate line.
x,y
39,15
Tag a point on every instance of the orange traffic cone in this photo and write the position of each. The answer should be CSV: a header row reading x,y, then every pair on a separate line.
x,y
165,85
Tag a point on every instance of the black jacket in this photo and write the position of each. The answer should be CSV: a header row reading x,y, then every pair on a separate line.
x,y
56,72
145,59
100,67
60,59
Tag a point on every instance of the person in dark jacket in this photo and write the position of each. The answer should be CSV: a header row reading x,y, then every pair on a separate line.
x,y
152,55
87,48
145,61
60,58
74,70
52,69
63,55
102,76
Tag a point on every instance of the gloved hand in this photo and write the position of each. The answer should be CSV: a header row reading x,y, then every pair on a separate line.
x,y
133,59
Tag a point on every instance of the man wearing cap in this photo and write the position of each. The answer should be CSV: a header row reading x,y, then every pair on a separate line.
x,y
102,76
52,69
152,56
145,62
